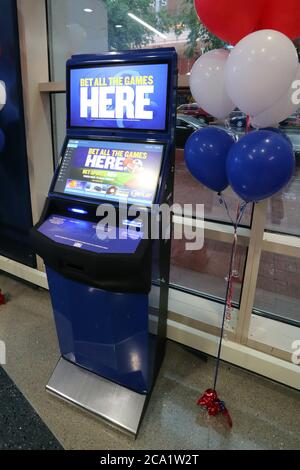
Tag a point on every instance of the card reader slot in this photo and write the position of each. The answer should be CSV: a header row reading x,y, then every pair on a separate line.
x,y
73,267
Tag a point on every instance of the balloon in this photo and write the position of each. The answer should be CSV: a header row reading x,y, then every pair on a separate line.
x,y
9,114
207,83
230,20
279,132
260,165
260,70
205,156
2,95
2,140
282,16
280,110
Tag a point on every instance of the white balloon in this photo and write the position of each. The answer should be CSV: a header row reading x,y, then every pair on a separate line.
x,y
2,95
260,69
281,110
207,83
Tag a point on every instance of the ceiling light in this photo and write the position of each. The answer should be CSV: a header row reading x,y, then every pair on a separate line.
x,y
148,26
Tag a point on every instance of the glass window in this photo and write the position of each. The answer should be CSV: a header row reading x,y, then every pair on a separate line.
x,y
75,27
95,26
100,25
189,191
205,271
283,208
277,291
58,106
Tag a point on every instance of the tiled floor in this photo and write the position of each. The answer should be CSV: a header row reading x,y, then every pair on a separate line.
x,y
266,415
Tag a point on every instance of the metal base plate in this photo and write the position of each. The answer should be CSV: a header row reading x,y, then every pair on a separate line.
x,y
116,404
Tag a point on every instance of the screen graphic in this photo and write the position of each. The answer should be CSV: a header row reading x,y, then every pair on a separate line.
x,y
114,171
128,97
83,234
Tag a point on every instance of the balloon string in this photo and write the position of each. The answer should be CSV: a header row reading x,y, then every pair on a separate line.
x,y
223,203
229,287
248,124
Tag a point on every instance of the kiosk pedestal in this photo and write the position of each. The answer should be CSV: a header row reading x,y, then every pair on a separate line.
x,y
120,406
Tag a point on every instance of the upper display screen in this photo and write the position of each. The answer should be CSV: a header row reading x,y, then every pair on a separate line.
x,y
113,171
119,97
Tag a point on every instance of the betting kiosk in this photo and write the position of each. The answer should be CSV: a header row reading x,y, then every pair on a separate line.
x,y
109,281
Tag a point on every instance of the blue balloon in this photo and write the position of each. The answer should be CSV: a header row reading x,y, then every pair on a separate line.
x,y
279,132
260,165
2,140
205,155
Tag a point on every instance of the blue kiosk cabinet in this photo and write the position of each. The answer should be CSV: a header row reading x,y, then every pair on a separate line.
x,y
104,267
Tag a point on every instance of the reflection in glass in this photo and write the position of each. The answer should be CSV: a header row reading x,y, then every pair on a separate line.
x,y
283,208
189,191
205,271
277,291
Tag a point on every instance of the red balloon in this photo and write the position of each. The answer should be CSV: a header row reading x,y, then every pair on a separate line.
x,y
283,16
230,20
